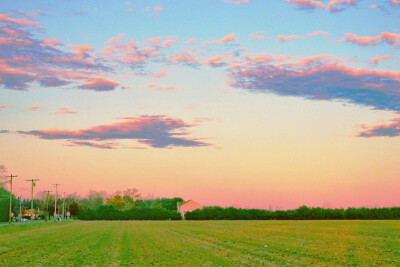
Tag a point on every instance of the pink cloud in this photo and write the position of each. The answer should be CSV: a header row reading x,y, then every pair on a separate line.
x,y
34,108
154,131
388,37
160,87
380,130
81,50
361,40
395,2
256,36
373,6
306,4
21,22
332,6
226,39
45,63
64,111
100,84
184,57
191,40
50,42
129,52
168,43
14,42
237,2
116,39
322,77
296,37
310,61
256,59
153,40
161,74
5,107
156,9
376,60
216,60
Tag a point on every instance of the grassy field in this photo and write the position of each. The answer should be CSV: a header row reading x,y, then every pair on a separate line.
x,y
210,243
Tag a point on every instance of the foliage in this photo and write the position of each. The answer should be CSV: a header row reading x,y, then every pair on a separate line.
x,y
5,204
302,213
110,212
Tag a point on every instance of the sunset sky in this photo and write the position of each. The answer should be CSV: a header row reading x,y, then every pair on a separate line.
x,y
250,103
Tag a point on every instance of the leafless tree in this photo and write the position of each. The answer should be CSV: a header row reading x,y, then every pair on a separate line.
x,y
3,174
133,193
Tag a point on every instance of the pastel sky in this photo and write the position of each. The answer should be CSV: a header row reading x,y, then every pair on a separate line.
x,y
250,103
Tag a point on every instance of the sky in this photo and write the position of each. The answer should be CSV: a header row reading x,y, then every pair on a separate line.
x,y
245,103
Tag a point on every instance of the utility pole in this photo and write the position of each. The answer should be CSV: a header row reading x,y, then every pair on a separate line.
x,y
33,184
63,212
55,204
20,214
9,215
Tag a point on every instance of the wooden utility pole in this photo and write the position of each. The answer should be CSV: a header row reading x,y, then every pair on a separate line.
x,y
55,204
9,214
33,184
63,209
20,214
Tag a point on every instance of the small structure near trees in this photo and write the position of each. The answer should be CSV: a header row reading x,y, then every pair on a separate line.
x,y
189,205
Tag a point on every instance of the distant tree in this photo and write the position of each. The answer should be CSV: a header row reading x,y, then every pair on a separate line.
x,y
94,200
128,203
132,193
117,201
3,174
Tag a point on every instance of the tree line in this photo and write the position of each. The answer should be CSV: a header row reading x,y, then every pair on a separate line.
x,y
301,213
129,205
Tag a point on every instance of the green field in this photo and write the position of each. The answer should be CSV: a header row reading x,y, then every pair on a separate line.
x,y
273,243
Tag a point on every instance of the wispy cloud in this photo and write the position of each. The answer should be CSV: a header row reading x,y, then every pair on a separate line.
x,y
161,74
153,11
256,36
154,131
333,5
5,107
160,87
100,84
390,38
376,60
64,111
297,37
226,39
34,108
237,2
391,129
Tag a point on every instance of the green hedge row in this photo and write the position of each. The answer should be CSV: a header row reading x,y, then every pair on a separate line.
x,y
302,213
109,212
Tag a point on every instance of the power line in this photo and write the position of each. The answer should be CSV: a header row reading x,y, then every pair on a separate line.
x,y
9,215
